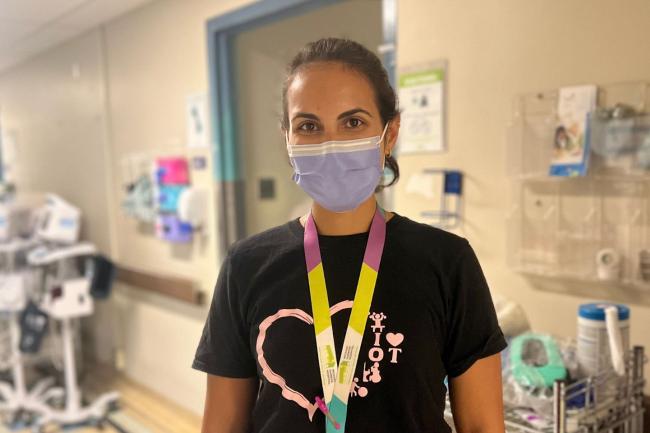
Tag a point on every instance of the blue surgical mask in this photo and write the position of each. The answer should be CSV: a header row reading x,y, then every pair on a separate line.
x,y
339,175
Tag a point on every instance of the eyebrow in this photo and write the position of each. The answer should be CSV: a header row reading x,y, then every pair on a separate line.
x,y
341,116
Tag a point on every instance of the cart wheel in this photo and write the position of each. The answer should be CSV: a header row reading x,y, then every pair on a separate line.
x,y
113,406
97,423
29,418
58,402
16,417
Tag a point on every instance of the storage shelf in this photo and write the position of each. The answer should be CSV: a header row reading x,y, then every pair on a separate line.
x,y
641,177
558,226
584,278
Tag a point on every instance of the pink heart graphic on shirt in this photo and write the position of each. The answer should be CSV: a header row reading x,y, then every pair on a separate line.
x,y
395,339
270,375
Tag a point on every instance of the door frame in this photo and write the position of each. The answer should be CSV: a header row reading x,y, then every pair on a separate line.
x,y
221,32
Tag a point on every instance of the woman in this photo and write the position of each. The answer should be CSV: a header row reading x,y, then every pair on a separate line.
x,y
350,317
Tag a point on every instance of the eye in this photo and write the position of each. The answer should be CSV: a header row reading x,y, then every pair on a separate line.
x,y
307,127
354,122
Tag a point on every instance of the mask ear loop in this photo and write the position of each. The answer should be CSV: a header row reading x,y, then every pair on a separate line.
x,y
286,142
380,140
384,132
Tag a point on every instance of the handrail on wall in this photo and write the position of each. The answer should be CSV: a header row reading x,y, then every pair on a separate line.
x,y
179,288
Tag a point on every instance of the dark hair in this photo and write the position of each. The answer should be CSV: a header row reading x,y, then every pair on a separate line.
x,y
357,57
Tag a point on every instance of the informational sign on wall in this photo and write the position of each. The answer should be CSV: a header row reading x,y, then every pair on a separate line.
x,y
422,103
197,120
571,144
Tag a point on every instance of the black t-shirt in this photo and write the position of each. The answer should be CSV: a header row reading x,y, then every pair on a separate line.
x,y
431,316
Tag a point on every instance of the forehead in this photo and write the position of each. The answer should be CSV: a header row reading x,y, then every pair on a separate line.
x,y
329,87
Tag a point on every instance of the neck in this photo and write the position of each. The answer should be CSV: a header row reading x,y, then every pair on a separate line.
x,y
345,223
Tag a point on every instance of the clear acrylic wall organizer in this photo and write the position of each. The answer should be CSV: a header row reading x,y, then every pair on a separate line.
x,y
558,226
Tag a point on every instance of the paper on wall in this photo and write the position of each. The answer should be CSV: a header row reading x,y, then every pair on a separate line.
x,y
421,98
571,142
197,120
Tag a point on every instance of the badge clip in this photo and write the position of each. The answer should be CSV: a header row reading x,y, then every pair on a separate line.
x,y
323,408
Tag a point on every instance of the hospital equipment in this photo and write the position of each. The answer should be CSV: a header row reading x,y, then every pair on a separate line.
x,y
511,316
603,337
33,327
67,296
172,171
15,220
193,206
172,229
622,412
536,361
50,276
139,201
608,264
590,229
168,196
14,288
58,221
449,215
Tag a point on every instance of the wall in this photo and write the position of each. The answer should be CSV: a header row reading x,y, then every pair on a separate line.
x,y
497,50
157,56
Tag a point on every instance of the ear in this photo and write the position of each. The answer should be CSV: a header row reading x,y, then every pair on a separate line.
x,y
392,133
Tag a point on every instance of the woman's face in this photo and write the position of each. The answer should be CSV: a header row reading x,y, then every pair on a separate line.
x,y
328,101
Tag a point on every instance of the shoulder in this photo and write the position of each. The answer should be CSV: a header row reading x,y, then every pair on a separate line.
x,y
427,242
265,244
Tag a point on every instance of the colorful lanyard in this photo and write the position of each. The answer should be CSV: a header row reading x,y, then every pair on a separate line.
x,y
337,379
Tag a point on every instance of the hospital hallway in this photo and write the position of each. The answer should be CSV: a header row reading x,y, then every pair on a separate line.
x,y
304,213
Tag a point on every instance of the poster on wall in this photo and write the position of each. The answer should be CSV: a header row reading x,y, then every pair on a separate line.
x,y
571,144
196,119
422,103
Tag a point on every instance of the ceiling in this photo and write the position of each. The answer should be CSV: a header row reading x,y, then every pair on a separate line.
x,y
28,27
